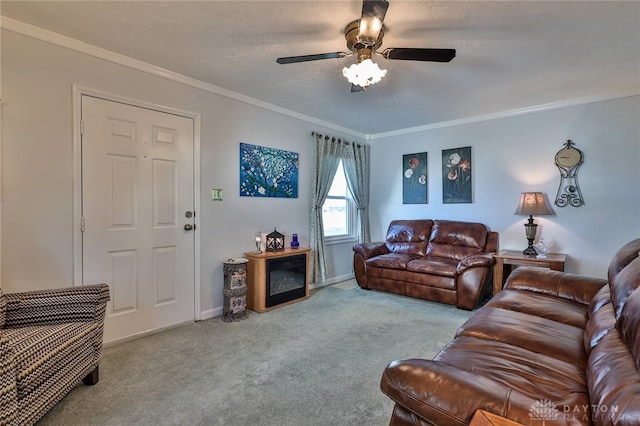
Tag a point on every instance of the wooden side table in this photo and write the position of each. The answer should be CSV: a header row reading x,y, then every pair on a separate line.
x,y
506,259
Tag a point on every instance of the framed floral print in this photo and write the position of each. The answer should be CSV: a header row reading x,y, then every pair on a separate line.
x,y
268,172
456,175
414,178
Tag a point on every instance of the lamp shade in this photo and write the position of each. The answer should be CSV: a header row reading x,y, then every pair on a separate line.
x,y
533,203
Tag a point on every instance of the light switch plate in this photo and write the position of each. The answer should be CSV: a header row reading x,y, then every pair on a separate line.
x,y
216,194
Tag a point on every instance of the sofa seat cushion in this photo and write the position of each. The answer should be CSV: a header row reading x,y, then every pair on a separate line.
x,y
536,375
536,334
542,305
434,265
40,351
390,261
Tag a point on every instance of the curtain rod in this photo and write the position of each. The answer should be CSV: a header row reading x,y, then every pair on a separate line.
x,y
335,139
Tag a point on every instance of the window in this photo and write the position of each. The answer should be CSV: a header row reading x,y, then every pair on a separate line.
x,y
338,211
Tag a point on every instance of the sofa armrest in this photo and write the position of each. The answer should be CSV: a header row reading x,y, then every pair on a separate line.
x,y
44,307
480,259
572,287
8,384
472,282
369,250
443,394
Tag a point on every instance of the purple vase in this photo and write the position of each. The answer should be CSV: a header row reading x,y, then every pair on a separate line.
x,y
294,242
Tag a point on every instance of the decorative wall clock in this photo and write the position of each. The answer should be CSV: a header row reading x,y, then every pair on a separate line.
x,y
568,160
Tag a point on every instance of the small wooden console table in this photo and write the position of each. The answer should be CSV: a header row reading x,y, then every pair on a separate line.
x,y
506,259
257,278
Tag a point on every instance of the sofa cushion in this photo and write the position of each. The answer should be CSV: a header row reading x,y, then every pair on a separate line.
x,y
536,375
624,274
629,325
541,305
601,318
456,240
559,284
409,236
390,261
531,332
434,265
614,382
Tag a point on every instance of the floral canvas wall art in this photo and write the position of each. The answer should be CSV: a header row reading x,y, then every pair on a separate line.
x,y
456,175
268,172
414,178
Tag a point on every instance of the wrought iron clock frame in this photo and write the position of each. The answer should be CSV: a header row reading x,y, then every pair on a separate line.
x,y
568,160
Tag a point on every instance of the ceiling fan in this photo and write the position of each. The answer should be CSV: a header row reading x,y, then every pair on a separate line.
x,y
364,37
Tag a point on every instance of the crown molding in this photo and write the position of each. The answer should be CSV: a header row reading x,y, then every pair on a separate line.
x,y
117,58
510,113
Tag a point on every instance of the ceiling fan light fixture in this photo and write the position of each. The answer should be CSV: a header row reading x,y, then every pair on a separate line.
x,y
364,73
370,30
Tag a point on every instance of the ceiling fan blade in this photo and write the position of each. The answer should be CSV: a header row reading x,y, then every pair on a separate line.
x,y
374,9
356,88
306,58
373,13
432,55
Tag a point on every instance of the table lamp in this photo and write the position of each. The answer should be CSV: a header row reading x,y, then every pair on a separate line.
x,y
532,203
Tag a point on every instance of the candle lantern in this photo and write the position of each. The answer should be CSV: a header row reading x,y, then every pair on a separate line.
x,y
275,241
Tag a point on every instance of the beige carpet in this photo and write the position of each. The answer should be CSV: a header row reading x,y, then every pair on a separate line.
x,y
317,362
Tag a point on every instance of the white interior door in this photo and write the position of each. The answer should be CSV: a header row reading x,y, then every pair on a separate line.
x,y
137,208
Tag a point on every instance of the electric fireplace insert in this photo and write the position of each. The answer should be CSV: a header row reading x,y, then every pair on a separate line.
x,y
286,279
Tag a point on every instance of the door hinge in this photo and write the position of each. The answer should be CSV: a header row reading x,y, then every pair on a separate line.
x,y
82,127
82,224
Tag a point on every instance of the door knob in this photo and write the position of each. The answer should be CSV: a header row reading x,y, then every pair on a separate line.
x,y
189,227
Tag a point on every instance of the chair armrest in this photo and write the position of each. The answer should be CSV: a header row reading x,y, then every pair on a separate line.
x,y
572,287
443,394
369,250
44,307
480,259
8,384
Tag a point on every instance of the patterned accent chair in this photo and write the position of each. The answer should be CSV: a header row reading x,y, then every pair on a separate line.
x,y
50,340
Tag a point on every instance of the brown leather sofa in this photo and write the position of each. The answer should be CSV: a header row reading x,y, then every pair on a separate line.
x,y
550,349
439,260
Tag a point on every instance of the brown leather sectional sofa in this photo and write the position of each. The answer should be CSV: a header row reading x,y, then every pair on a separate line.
x,y
550,349
439,260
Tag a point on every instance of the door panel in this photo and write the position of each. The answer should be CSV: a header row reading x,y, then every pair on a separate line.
x,y
137,182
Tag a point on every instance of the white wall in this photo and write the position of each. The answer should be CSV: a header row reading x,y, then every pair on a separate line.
x,y
510,155
37,163
515,154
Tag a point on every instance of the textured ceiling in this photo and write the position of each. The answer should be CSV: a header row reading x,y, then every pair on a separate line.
x,y
510,54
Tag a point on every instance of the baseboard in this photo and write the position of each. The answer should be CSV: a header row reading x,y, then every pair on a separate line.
x,y
331,281
145,333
